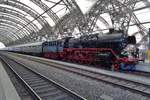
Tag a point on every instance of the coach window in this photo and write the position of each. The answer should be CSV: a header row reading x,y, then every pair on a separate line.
x,y
60,43
55,43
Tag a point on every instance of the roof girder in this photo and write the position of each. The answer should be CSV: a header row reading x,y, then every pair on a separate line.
x,y
16,22
10,28
14,28
44,7
28,10
19,15
9,34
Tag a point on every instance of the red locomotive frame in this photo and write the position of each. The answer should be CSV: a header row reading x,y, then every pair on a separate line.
x,y
87,56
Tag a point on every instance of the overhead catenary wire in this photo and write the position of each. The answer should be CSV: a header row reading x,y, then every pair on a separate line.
x,y
39,16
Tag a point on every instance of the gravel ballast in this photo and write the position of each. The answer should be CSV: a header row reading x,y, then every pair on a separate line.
x,y
86,87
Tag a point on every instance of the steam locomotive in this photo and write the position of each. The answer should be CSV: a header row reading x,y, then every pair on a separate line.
x,y
88,49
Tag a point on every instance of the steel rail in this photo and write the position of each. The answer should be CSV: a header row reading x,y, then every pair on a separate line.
x,y
29,89
70,93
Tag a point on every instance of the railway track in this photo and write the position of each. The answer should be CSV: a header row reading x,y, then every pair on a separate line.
x,y
39,86
137,87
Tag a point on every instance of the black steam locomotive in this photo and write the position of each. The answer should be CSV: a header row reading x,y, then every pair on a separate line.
x,y
88,49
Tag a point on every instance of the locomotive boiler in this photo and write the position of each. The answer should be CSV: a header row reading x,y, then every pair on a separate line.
x,y
116,40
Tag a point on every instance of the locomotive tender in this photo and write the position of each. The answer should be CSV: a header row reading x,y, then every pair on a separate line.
x,y
90,49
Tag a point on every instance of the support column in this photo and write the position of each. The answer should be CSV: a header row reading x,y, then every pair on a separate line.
x,y
149,39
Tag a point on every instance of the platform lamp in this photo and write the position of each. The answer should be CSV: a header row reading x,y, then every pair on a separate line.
x,y
149,46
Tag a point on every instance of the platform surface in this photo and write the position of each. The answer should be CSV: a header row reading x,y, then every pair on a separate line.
x,y
7,90
144,67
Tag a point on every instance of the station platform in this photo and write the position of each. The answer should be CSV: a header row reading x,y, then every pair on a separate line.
x,y
130,77
143,67
7,90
